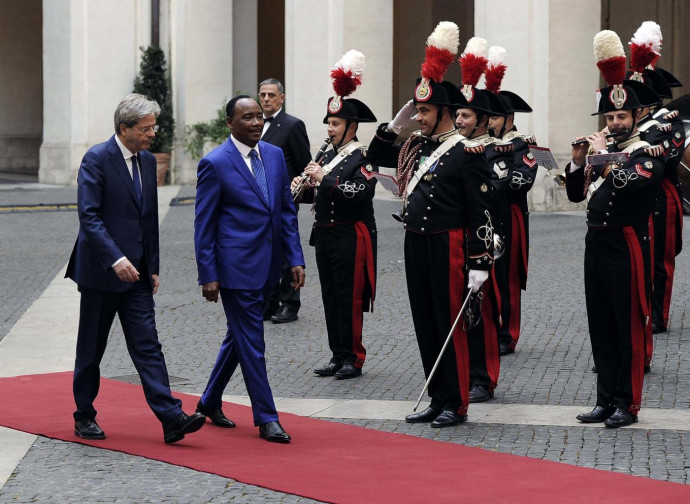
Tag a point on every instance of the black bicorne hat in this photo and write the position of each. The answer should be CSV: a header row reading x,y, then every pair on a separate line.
x,y
349,108
444,93
653,80
484,101
670,79
512,102
630,95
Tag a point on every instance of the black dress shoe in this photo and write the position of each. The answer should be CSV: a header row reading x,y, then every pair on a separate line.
x,y
594,369
283,315
216,416
598,414
348,371
270,311
329,369
425,416
658,328
647,368
448,418
480,393
87,428
504,349
273,431
183,424
620,418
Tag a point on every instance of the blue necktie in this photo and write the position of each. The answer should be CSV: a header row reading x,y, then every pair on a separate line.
x,y
135,178
259,173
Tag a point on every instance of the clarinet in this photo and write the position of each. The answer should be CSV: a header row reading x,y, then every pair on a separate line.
x,y
610,135
301,184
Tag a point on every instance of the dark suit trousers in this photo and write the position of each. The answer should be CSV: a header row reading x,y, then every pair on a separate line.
x,y
244,345
135,308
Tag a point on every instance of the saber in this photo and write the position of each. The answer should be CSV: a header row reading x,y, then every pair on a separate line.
x,y
438,360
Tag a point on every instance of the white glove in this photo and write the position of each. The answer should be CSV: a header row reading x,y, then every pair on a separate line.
x,y
476,278
403,118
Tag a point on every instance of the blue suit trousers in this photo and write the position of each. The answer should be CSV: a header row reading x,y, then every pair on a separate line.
x,y
244,345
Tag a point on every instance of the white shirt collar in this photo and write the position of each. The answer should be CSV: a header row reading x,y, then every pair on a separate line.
x,y
276,114
126,153
244,149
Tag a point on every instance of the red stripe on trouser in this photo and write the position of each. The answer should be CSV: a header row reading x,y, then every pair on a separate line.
x,y
457,293
648,335
639,316
493,360
518,257
364,265
673,209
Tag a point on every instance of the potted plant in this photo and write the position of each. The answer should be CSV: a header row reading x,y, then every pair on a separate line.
x,y
153,82
202,136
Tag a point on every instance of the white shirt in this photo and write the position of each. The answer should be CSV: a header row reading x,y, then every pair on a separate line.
x,y
244,151
127,154
267,123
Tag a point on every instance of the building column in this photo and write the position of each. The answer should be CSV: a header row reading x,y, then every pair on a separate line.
x,y
90,56
202,50
550,64
312,48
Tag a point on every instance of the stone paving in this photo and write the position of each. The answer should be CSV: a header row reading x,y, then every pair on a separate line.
x,y
551,366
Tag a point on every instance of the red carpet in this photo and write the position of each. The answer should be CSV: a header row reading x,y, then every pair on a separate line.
x,y
326,461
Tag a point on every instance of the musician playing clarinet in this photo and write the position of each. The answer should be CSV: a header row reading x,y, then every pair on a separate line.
x,y
341,185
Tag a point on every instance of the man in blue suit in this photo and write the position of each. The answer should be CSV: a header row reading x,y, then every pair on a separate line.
x,y
115,265
245,221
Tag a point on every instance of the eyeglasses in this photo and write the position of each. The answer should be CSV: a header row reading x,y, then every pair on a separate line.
x,y
148,129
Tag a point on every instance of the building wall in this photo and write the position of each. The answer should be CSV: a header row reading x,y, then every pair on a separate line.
x,y
550,64
21,85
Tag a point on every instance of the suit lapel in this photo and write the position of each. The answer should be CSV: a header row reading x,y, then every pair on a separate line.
x,y
121,169
275,125
237,161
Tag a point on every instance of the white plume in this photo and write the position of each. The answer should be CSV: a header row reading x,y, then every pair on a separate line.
x,y
497,55
607,44
354,61
477,46
446,36
648,32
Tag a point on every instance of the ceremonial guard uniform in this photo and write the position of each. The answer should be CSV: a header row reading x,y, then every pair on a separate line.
x,y
665,129
344,231
512,215
617,252
485,310
447,218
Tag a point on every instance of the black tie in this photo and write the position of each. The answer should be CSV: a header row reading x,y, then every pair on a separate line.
x,y
135,178
268,119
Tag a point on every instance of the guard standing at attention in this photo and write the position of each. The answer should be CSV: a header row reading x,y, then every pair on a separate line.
x,y
662,128
446,215
513,215
342,187
484,311
621,198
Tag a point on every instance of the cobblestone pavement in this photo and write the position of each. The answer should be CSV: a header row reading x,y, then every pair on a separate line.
x,y
551,366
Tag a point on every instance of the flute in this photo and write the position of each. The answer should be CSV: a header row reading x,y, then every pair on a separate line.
x,y
610,135
301,184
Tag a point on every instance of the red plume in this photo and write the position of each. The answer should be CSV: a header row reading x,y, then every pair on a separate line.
x,y
472,68
612,69
641,56
496,69
436,63
344,82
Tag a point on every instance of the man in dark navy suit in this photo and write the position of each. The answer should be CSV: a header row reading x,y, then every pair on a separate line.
x,y
115,265
245,224
288,133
